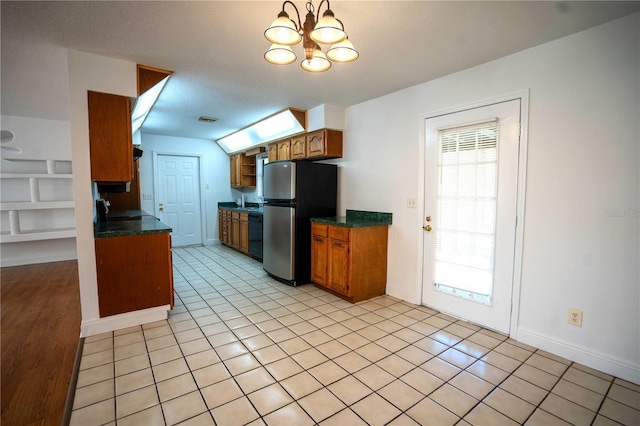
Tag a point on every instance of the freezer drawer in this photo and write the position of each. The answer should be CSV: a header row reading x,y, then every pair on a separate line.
x,y
278,257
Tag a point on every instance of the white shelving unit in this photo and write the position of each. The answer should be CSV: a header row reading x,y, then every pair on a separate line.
x,y
37,200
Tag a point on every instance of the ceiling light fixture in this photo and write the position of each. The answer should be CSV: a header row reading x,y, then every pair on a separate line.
x,y
285,123
284,33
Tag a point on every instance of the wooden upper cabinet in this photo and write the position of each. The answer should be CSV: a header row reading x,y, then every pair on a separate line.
x,y
273,152
284,150
325,143
299,148
243,171
149,77
110,139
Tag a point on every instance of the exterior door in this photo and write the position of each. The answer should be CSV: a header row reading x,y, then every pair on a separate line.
x,y
179,198
471,181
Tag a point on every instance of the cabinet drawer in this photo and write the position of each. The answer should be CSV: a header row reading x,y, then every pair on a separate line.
x,y
319,229
244,217
339,233
235,215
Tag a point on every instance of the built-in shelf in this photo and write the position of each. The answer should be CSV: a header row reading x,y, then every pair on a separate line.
x,y
28,179
34,176
41,205
38,235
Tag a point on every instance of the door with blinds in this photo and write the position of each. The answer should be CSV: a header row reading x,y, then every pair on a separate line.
x,y
471,174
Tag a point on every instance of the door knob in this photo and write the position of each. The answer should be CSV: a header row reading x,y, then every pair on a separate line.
x,y
161,209
427,228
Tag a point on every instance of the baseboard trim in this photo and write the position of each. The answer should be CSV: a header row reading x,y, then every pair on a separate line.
x,y
71,392
117,322
19,261
602,362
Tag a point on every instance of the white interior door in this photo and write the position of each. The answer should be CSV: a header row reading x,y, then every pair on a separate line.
x,y
178,200
471,181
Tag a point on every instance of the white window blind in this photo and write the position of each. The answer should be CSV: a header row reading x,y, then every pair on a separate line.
x,y
466,210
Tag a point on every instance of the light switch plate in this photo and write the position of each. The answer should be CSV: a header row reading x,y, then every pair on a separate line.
x,y
411,203
147,196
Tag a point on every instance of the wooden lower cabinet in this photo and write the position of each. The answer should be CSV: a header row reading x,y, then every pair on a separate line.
x,y
134,272
349,262
234,229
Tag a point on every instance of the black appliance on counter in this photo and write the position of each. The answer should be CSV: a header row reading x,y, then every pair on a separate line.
x,y
102,209
255,236
294,192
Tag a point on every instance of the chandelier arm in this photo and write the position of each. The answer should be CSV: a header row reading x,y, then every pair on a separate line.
x,y
320,5
297,13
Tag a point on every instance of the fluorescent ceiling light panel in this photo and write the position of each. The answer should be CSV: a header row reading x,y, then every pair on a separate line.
x,y
280,125
144,103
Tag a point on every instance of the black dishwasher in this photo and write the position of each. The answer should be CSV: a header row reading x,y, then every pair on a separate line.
x,y
255,236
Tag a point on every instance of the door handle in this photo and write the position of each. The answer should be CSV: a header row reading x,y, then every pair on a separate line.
x,y
428,228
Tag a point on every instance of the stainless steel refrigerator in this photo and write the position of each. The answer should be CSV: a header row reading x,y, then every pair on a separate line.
x,y
294,192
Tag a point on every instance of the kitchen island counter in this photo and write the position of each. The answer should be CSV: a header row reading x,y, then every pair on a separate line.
x,y
122,223
356,219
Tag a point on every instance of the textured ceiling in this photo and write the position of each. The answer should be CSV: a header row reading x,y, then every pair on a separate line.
x,y
216,48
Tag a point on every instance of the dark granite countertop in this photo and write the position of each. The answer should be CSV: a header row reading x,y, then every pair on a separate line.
x,y
357,219
121,223
254,208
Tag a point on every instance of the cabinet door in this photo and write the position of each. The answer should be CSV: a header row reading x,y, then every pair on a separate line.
x,y
235,230
227,227
319,259
298,148
232,171
220,225
273,152
315,144
284,150
244,233
110,137
133,273
339,264
238,169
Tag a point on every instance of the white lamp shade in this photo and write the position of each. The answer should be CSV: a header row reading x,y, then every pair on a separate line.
x,y
343,52
283,31
280,55
318,63
328,30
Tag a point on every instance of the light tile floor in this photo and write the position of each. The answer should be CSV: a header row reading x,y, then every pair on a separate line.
x,y
242,348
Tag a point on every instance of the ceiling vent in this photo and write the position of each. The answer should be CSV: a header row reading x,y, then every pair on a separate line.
x,y
207,119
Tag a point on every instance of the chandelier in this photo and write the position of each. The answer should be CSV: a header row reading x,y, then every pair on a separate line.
x,y
284,33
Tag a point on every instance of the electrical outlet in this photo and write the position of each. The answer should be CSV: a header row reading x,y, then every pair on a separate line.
x,y
575,317
411,203
147,196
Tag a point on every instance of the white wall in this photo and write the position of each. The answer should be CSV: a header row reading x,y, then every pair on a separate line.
x,y
101,74
214,172
583,163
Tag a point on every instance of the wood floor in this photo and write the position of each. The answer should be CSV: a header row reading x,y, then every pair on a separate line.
x,y
40,333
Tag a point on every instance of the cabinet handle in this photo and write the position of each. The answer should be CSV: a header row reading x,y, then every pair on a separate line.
x,y
338,244
318,239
